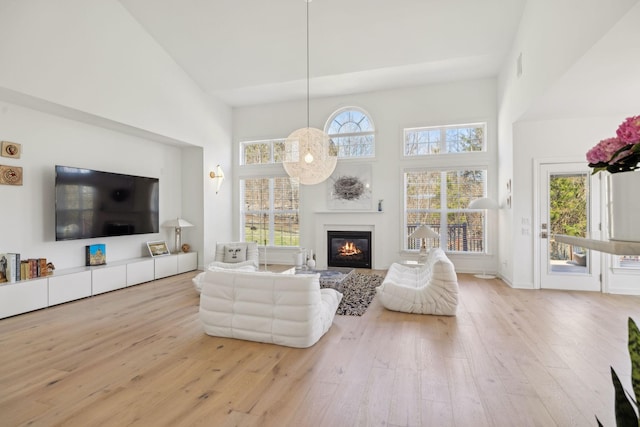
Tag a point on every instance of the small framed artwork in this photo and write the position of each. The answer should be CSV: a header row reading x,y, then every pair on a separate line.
x,y
158,248
96,254
10,175
11,149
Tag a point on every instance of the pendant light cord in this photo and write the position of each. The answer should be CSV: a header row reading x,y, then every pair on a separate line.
x,y
307,1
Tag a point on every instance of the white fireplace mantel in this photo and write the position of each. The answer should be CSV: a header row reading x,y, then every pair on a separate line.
x,y
345,221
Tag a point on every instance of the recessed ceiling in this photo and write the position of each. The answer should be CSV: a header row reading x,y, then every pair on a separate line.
x,y
247,52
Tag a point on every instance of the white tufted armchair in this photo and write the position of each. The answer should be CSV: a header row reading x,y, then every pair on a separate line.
x,y
240,256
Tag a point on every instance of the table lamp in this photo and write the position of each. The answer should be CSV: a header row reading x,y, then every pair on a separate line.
x,y
423,232
177,224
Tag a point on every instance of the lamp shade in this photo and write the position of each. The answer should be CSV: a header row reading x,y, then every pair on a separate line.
x,y
177,223
309,156
424,232
483,203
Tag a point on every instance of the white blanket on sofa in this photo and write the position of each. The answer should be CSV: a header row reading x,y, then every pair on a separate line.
x,y
282,309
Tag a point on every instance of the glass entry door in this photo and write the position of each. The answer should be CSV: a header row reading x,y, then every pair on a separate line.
x,y
569,204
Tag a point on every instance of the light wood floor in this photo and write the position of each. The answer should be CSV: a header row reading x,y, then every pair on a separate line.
x,y
138,357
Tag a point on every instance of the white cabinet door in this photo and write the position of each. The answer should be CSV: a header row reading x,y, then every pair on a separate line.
x,y
20,297
109,278
166,266
187,262
69,287
140,271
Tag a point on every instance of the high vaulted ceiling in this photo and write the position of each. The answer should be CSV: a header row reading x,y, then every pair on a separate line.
x,y
247,52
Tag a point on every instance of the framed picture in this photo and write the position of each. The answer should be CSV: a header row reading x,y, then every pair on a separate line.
x,y
11,149
158,248
349,187
10,175
96,254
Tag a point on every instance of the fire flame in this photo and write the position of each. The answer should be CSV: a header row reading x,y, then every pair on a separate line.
x,y
349,249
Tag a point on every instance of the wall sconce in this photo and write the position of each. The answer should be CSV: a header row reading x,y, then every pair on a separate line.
x,y
217,176
178,224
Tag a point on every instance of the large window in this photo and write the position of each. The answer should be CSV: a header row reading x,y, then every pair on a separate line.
x,y
424,141
268,198
262,152
438,186
270,211
440,200
352,131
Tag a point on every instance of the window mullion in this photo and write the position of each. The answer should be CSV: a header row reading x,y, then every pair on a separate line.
x,y
444,221
271,210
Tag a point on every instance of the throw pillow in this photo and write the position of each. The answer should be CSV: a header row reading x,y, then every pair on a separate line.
x,y
235,253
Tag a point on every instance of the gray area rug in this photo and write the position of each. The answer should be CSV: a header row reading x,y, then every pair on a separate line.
x,y
358,291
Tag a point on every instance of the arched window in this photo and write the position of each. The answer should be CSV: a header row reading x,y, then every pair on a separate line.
x,y
352,131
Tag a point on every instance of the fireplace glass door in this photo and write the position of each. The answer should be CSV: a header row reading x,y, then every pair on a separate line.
x,y
349,249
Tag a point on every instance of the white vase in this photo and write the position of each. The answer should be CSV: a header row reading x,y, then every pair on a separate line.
x,y
624,205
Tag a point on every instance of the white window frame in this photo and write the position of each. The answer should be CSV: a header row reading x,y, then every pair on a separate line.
x,y
438,162
271,211
369,133
443,211
443,141
270,142
268,170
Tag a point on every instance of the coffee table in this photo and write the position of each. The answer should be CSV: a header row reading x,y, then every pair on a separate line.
x,y
330,278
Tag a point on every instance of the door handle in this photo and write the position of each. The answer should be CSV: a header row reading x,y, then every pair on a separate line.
x,y
543,235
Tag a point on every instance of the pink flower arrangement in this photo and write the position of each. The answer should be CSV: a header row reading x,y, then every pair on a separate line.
x,y
629,130
618,154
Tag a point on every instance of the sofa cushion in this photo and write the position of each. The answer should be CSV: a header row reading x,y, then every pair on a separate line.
x,y
239,266
235,253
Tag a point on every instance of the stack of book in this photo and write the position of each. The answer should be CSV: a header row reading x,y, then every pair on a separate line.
x,y
14,269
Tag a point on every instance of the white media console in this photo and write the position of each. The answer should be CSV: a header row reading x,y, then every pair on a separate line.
x,y
76,283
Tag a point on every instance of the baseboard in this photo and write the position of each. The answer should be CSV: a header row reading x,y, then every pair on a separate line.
x,y
624,291
522,285
505,280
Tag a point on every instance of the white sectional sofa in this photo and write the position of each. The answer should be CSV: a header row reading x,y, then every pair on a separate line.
x,y
284,309
428,289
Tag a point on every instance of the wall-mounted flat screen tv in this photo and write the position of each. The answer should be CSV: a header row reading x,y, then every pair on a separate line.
x,y
92,203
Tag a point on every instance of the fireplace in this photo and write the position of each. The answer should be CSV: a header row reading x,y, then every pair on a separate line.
x,y
349,249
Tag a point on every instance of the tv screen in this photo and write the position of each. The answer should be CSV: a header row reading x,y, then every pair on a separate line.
x,y
92,203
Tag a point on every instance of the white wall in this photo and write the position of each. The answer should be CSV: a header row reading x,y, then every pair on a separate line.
x,y
551,38
95,58
73,69
28,210
550,140
391,112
